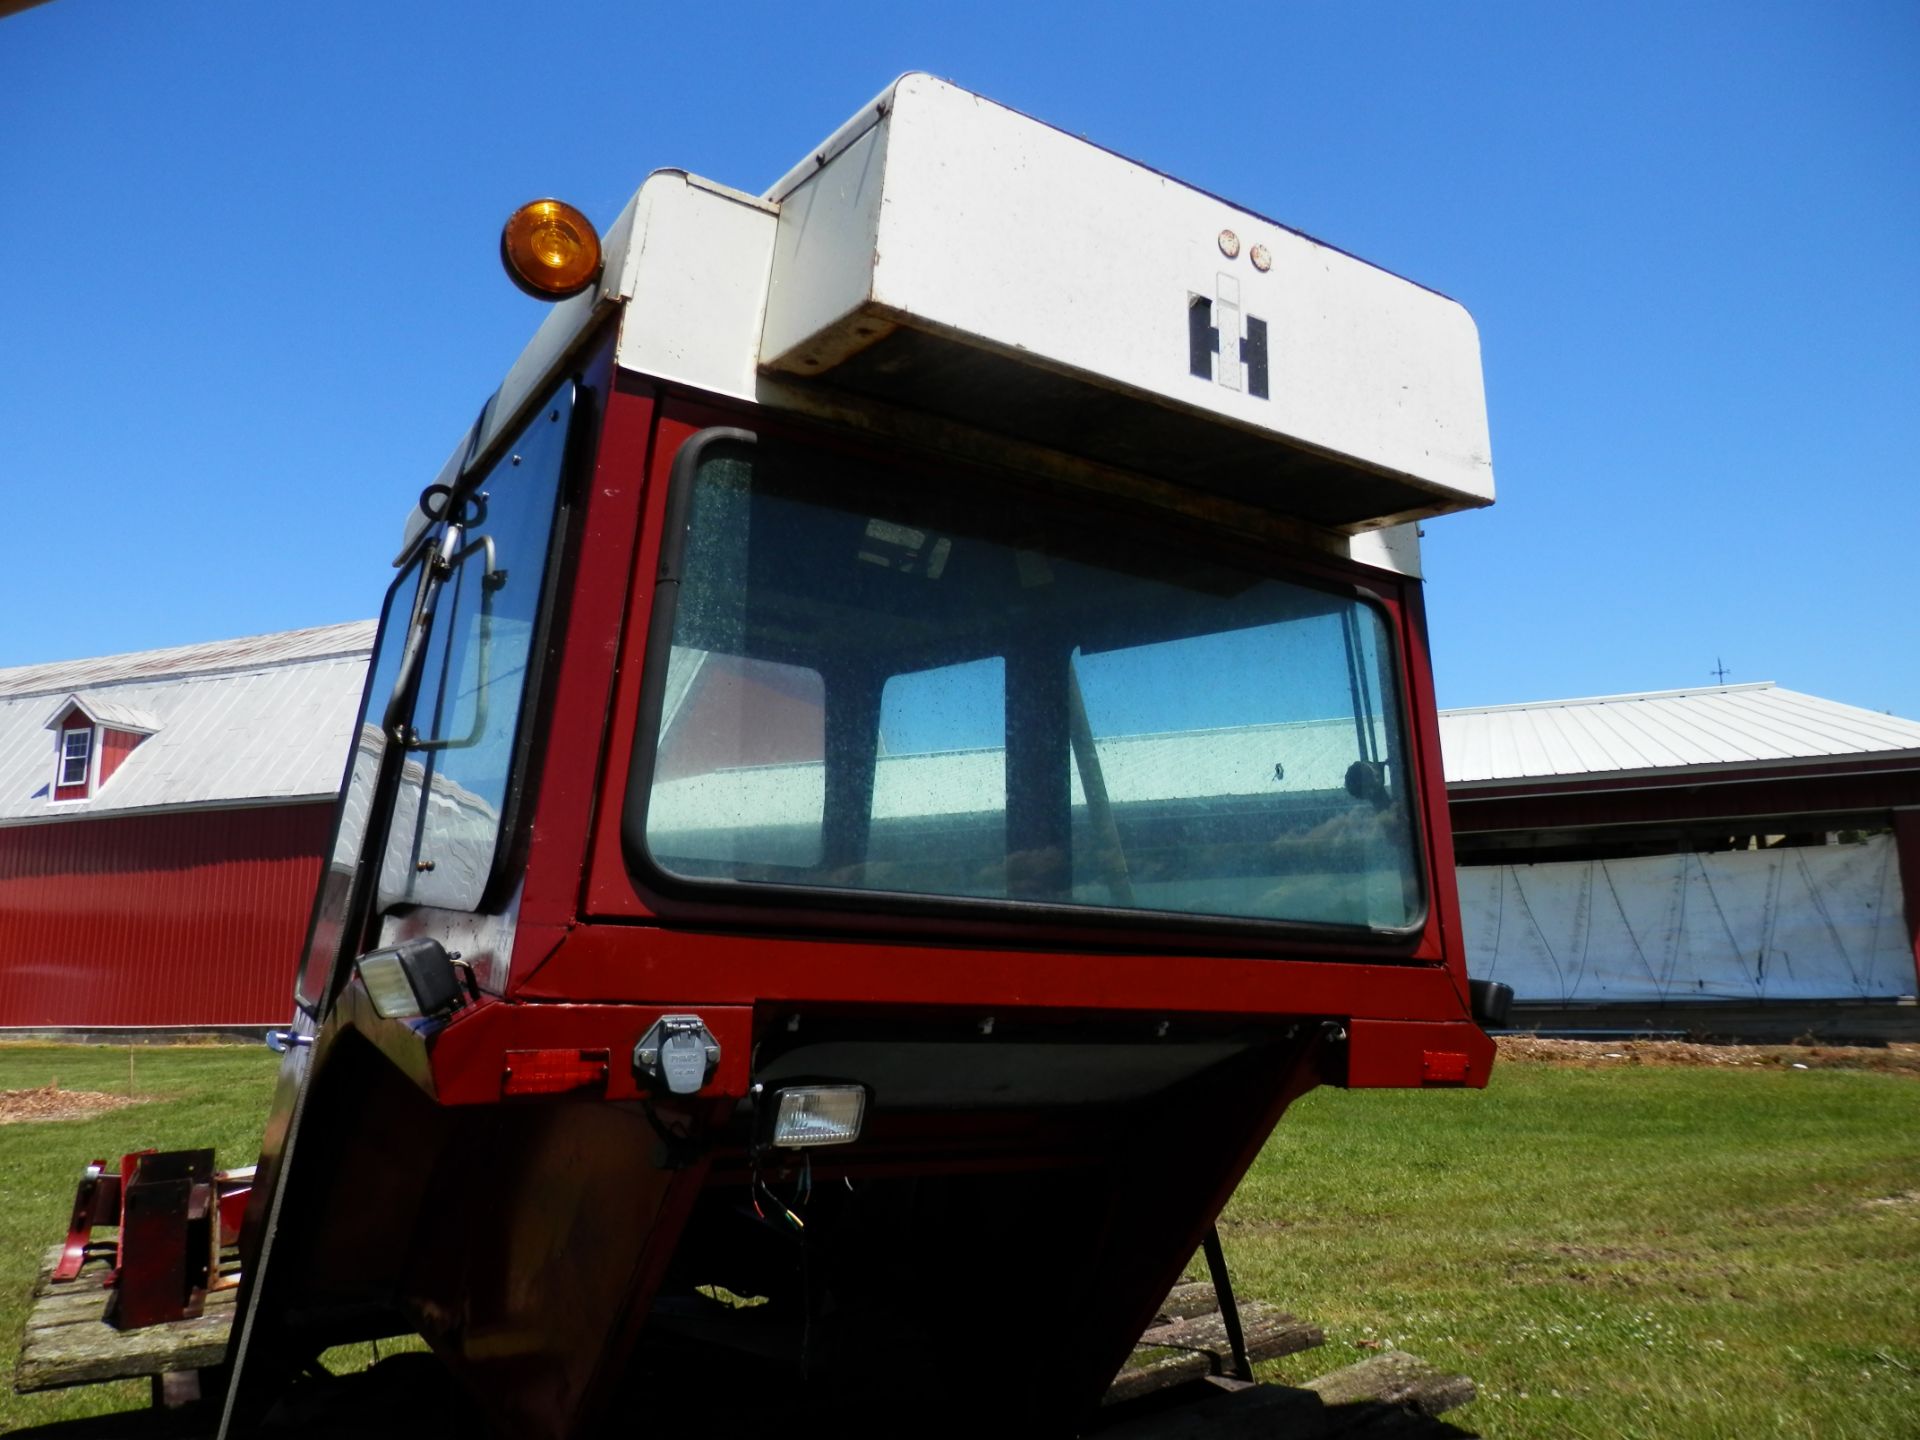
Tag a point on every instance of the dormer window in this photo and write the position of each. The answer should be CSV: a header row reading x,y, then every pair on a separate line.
x,y
76,755
93,736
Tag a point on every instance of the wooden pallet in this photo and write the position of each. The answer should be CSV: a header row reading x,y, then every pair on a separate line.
x,y
68,1343
1183,1360
1391,1394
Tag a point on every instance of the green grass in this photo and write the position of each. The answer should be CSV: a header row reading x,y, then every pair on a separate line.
x,y
1645,1252
1642,1252
193,1096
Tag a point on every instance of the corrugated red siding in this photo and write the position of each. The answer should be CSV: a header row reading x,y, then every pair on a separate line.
x,y
195,918
115,746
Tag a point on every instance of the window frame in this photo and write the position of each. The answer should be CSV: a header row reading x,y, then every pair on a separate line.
x,y
728,902
524,755
63,757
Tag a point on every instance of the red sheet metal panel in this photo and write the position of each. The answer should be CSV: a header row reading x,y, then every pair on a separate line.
x,y
115,746
187,918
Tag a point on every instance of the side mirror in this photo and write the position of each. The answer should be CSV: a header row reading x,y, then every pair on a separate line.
x,y
1490,1001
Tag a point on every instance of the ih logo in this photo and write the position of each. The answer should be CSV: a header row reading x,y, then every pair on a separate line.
x,y
1213,329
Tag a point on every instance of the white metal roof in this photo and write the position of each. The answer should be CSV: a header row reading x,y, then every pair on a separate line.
x,y
1726,725
267,718
1298,757
354,637
262,719
106,712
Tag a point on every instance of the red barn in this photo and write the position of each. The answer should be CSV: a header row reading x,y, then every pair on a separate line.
x,y
162,820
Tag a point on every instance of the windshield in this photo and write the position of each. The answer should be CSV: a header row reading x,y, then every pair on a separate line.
x,y
878,682
356,791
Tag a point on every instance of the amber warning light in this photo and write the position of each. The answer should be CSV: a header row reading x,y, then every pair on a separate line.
x,y
550,250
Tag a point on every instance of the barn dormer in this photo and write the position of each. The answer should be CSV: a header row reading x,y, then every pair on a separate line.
x,y
92,739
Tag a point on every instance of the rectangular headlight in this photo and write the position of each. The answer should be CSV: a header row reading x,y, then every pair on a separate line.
x,y
410,979
817,1115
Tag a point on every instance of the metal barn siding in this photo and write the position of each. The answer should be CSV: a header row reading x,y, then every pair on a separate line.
x,y
115,746
184,918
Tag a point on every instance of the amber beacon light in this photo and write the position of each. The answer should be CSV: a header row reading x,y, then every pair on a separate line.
x,y
550,249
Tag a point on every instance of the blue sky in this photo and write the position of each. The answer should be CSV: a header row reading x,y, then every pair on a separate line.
x,y
254,295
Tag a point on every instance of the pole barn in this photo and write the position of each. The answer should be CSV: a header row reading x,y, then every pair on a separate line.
x,y
1735,858
162,820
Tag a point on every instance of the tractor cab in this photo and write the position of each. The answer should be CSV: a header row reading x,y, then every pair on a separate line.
x,y
899,742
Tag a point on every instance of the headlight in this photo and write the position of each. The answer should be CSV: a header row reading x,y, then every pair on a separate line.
x,y
805,1115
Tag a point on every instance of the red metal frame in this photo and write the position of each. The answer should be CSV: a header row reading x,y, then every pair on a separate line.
x,y
528,1232
172,1213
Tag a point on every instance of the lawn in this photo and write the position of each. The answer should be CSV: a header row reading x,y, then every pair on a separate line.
x,y
191,1096
1638,1252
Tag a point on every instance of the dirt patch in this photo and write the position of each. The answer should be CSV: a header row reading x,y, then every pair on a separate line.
x,y
50,1102
1611,1054
1613,1254
1910,1197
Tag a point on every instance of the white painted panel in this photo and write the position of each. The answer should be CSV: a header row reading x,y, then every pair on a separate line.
x,y
823,256
981,223
696,275
1392,547
1796,923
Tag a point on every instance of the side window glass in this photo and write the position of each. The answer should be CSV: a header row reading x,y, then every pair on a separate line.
x,y
940,782
738,779
464,731
1225,796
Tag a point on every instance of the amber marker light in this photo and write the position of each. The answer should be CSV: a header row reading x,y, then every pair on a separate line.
x,y
550,250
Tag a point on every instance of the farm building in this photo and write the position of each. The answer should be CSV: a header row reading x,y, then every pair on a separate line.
x,y
162,819
163,815
1626,858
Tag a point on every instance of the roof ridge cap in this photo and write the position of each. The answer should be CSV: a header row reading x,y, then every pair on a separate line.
x,y
62,670
1700,690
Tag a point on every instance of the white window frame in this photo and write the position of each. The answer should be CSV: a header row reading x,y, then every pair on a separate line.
x,y
65,757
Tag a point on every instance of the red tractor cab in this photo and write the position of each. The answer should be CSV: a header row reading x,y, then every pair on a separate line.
x,y
899,743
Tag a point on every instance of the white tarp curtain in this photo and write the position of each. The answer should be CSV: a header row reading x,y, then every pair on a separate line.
x,y
1796,923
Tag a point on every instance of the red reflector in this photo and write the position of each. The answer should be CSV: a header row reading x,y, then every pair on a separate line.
x,y
554,1072
1443,1067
